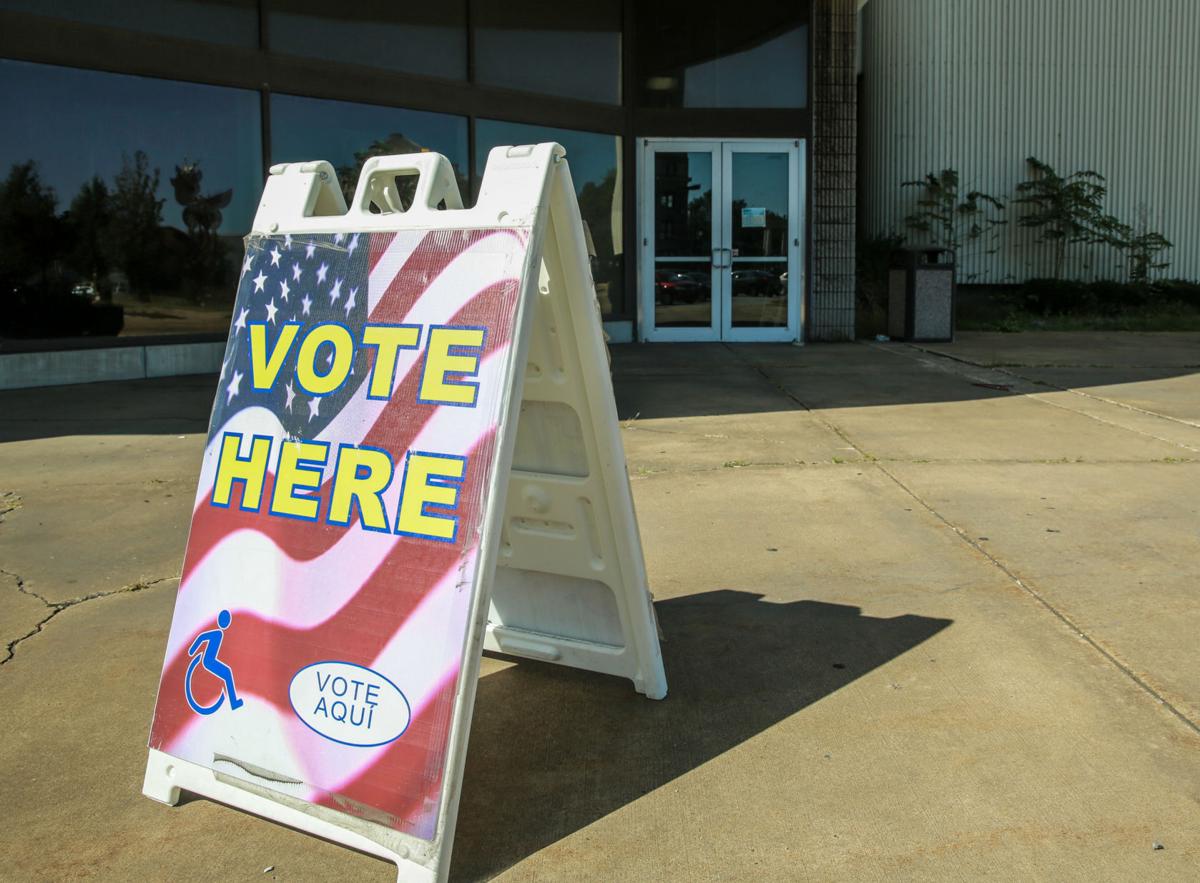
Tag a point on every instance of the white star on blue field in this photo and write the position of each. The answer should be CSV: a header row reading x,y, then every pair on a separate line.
x,y
311,279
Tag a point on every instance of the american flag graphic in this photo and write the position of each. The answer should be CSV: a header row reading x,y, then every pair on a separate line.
x,y
302,592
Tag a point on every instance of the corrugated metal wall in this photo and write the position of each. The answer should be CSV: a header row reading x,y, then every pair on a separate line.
x,y
978,85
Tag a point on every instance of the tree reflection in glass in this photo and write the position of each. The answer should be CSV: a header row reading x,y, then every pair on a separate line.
x,y
595,163
94,238
348,134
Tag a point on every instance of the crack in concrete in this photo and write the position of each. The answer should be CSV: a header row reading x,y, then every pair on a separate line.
x,y
762,372
646,471
642,470
934,361
57,607
642,427
9,502
1024,585
1076,392
1031,590
1037,398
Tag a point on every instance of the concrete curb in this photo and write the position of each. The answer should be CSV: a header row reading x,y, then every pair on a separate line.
x,y
24,370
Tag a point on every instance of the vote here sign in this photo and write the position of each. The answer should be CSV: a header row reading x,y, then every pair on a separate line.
x,y
324,605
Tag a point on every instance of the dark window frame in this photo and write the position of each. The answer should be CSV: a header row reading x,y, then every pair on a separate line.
x,y
46,40
476,13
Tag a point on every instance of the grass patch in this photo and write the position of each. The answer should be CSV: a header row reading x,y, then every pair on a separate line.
x,y
1068,305
1017,321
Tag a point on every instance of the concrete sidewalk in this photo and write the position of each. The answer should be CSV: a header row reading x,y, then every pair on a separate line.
x,y
929,613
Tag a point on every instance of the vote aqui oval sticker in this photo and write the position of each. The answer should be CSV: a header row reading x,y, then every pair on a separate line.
x,y
349,704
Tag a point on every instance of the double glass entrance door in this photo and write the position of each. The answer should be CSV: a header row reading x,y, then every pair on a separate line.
x,y
722,226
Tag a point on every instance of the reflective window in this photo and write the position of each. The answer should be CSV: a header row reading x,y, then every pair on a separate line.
x,y
704,53
414,38
758,194
232,22
348,134
569,49
595,162
683,204
683,232
122,190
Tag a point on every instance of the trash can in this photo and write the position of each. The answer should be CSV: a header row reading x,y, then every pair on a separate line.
x,y
921,293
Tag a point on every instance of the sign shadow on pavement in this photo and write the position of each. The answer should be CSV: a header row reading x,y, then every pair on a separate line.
x,y
554,750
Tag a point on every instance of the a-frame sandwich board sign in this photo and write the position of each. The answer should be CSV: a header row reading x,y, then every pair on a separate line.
x,y
413,455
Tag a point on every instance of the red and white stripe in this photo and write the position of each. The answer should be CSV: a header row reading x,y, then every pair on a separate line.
x,y
300,592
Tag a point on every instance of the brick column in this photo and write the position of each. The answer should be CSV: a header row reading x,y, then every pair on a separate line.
x,y
833,150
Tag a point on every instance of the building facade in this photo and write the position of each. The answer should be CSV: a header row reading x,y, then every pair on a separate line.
x,y
712,145
978,86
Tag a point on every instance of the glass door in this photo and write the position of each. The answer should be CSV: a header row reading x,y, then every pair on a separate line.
x,y
760,241
721,255
681,266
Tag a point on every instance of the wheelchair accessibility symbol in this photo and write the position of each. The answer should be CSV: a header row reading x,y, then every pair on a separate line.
x,y
210,641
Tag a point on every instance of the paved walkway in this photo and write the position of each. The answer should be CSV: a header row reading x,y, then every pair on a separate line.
x,y
929,612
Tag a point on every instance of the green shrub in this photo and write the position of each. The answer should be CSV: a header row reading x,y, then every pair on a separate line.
x,y
1103,297
1179,291
951,220
1065,211
1046,297
873,260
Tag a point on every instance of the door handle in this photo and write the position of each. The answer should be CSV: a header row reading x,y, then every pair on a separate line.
x,y
717,263
716,258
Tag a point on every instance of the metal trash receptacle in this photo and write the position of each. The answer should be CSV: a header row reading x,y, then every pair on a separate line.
x,y
921,294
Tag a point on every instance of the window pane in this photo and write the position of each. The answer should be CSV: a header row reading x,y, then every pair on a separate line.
x,y
758,224
702,53
758,196
683,228
232,22
569,49
595,161
414,38
683,204
348,134
121,188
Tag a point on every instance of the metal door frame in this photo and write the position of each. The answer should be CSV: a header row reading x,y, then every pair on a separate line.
x,y
646,256
721,327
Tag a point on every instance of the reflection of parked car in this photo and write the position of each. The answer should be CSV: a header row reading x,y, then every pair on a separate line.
x,y
56,309
755,283
672,286
87,291
704,280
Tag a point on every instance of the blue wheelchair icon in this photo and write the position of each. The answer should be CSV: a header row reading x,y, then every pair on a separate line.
x,y
211,642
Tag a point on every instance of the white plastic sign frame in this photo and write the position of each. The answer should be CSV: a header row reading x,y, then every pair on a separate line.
x,y
559,573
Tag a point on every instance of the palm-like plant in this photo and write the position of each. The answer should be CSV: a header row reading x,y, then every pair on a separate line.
x,y
1067,210
952,221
